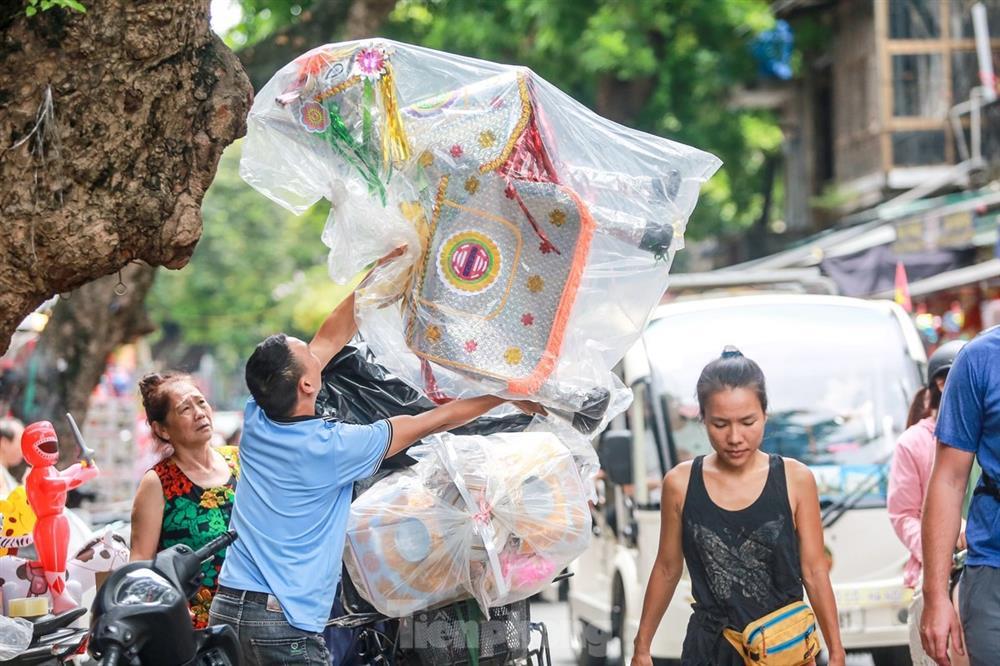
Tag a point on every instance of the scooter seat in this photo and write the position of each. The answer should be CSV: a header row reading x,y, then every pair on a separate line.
x,y
49,623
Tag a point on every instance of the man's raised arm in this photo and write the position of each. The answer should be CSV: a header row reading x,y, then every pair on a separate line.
x,y
335,332
407,430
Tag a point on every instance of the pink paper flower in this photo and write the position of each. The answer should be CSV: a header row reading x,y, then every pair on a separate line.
x,y
527,319
371,62
456,151
527,572
471,346
314,117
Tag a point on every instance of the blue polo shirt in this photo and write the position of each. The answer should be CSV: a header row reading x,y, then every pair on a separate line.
x,y
292,506
969,419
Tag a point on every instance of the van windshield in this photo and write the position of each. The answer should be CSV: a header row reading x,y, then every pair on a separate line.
x,y
839,382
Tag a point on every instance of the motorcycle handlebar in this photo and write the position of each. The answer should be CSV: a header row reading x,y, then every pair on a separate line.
x,y
112,656
215,545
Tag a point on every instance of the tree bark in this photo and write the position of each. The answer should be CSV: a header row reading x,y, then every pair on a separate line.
x,y
112,123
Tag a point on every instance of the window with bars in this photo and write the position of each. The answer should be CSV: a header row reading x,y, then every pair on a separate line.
x,y
918,85
932,66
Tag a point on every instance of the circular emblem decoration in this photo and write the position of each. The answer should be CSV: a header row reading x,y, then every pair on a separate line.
x,y
469,261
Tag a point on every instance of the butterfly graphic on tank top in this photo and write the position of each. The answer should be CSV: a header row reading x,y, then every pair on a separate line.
x,y
744,568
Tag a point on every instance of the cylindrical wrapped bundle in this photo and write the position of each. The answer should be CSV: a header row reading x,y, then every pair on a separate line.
x,y
494,518
539,235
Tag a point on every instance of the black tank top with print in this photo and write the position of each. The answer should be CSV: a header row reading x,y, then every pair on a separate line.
x,y
743,564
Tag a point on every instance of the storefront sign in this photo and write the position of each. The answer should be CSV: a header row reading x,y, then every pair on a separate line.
x,y
934,232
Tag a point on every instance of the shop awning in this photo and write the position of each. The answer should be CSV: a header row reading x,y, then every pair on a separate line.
x,y
951,279
878,228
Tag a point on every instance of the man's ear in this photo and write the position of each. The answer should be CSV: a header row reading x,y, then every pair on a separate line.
x,y
306,386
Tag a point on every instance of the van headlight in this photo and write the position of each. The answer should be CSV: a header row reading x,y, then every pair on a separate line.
x,y
145,587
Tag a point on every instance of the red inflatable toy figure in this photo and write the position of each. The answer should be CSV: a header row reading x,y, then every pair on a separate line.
x,y
47,488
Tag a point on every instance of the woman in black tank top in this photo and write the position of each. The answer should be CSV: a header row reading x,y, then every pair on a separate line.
x,y
746,524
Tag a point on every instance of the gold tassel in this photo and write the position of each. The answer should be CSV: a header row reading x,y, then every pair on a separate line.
x,y
395,147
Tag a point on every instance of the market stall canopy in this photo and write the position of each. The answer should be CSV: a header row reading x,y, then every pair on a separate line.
x,y
951,279
948,222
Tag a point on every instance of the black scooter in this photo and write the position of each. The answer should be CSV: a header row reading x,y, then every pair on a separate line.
x,y
141,616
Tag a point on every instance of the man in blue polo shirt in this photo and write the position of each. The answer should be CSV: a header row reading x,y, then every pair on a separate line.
x,y
968,428
292,504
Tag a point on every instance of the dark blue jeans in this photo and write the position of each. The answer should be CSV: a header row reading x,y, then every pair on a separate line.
x,y
265,636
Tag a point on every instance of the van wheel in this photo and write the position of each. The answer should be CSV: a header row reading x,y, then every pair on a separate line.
x,y
898,655
624,655
590,645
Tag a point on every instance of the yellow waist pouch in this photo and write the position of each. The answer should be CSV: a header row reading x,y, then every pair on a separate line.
x,y
786,637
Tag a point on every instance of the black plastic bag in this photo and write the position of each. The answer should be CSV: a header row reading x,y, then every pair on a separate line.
x,y
356,389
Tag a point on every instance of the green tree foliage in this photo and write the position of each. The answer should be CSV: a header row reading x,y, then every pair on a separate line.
x,y
32,7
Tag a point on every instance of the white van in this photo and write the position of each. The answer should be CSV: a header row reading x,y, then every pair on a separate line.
x,y
840,376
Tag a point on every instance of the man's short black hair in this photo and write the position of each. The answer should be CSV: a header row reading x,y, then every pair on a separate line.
x,y
273,375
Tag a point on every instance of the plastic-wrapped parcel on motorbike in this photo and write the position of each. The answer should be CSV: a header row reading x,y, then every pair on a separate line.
x,y
538,234
495,518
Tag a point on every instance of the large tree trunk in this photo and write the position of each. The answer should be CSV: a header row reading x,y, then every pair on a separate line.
x,y
112,123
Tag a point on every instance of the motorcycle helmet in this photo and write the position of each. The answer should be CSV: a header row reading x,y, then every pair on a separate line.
x,y
942,359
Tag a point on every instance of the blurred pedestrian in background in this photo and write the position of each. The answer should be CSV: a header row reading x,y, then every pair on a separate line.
x,y
11,458
909,476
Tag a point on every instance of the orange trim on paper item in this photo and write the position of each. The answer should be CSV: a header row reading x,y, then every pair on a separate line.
x,y
531,383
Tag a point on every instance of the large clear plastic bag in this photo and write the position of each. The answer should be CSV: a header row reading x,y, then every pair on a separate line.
x,y
539,235
494,518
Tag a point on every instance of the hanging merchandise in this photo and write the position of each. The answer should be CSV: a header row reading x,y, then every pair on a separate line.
x,y
538,235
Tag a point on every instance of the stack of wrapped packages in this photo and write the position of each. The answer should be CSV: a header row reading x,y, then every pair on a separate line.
x,y
538,238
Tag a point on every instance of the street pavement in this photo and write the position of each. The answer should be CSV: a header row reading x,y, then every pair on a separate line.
x,y
556,619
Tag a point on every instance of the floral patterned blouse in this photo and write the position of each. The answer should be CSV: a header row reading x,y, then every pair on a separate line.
x,y
193,516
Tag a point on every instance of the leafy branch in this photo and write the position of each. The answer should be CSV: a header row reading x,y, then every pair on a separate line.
x,y
32,7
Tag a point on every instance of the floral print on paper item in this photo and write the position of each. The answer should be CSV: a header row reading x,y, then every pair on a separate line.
x,y
487,139
371,63
315,118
